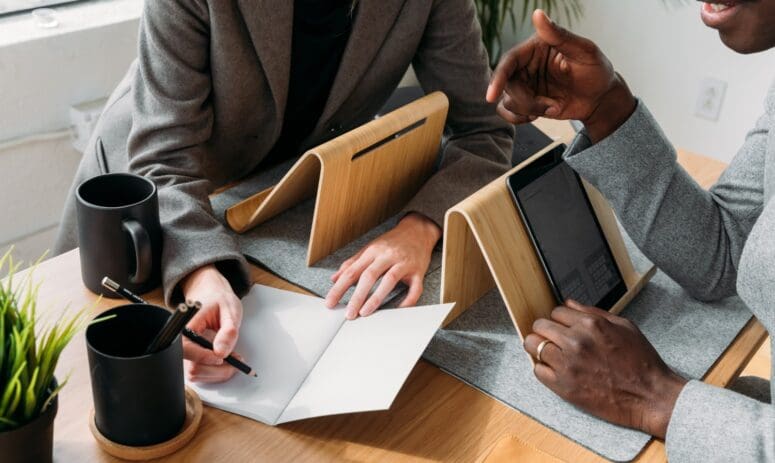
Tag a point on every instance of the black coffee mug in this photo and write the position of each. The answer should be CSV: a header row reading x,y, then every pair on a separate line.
x,y
119,234
139,399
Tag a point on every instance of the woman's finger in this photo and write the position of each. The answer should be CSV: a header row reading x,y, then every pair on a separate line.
x,y
366,282
389,281
198,354
230,318
345,265
207,374
347,279
415,291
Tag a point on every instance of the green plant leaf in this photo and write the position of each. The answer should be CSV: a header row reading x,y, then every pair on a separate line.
x,y
29,348
30,398
53,394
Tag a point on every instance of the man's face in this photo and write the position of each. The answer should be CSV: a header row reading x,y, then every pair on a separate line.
x,y
746,26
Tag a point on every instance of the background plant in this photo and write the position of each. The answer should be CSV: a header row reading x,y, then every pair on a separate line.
x,y
494,14
28,359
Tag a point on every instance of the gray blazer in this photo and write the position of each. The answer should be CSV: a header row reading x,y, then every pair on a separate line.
x,y
713,243
205,101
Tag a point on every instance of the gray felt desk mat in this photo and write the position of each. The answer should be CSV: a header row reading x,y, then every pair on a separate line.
x,y
280,244
482,348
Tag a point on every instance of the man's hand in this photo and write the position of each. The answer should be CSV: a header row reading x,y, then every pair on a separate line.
x,y
221,315
603,364
400,255
559,75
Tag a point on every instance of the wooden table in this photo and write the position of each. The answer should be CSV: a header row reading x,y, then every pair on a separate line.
x,y
434,418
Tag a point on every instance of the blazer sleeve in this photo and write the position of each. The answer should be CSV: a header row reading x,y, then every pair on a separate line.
x,y
477,147
693,235
172,122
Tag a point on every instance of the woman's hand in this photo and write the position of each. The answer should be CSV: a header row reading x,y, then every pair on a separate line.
x,y
603,364
221,314
400,255
560,75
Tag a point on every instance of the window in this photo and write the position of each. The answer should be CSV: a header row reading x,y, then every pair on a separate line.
x,y
16,6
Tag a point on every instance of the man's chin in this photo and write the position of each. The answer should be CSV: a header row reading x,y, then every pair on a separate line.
x,y
743,45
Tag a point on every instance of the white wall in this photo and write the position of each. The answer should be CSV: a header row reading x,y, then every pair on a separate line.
x,y
664,53
42,73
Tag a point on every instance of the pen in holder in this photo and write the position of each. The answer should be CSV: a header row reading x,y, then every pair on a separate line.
x,y
172,328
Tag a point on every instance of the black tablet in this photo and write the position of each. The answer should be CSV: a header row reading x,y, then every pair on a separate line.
x,y
565,232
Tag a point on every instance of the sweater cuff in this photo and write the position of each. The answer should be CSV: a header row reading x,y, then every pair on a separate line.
x,y
217,248
714,424
632,153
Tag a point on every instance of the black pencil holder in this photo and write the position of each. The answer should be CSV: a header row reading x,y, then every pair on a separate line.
x,y
139,399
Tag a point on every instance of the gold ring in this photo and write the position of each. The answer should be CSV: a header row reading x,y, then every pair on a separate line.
x,y
541,349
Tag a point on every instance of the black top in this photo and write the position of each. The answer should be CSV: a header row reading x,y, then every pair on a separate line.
x,y
321,29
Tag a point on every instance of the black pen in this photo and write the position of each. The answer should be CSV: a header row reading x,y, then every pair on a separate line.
x,y
121,291
191,335
231,360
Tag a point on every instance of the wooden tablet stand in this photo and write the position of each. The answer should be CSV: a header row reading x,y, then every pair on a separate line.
x,y
486,244
361,178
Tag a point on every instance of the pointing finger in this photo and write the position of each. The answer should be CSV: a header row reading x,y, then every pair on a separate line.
x,y
566,42
508,65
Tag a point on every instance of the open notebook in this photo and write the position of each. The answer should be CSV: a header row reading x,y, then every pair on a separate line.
x,y
312,362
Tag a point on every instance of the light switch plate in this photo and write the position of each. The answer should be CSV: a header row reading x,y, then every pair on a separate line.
x,y
710,98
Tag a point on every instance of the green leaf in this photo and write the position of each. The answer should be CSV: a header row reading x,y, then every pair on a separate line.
x,y
29,348
16,397
30,399
54,393
6,408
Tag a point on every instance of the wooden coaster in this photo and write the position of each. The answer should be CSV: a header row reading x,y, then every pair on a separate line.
x,y
126,452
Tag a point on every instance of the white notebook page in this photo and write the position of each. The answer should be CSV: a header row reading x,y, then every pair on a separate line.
x,y
283,335
366,364
311,362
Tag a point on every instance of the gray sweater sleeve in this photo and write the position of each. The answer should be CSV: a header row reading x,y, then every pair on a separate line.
x,y
693,235
172,123
712,243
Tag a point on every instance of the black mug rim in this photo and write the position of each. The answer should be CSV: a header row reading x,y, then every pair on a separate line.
x,y
137,357
115,175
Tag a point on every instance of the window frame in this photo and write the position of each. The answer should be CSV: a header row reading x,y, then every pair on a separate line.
x,y
39,4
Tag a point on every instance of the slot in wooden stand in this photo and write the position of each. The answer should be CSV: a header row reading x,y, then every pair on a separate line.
x,y
361,178
486,244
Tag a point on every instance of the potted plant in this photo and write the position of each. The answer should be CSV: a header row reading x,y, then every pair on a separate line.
x,y
29,353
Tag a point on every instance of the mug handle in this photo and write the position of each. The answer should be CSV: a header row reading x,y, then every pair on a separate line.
x,y
142,246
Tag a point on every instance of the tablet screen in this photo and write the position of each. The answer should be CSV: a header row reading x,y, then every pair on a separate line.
x,y
569,238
